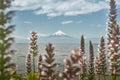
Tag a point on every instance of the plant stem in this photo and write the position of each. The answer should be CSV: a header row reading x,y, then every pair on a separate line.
x,y
104,76
2,66
113,76
99,76
33,64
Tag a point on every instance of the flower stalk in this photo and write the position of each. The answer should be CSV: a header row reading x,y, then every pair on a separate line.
x,y
72,66
33,48
113,41
91,61
28,64
100,60
40,63
6,40
83,65
48,72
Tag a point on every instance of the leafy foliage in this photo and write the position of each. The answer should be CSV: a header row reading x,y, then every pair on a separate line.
x,y
33,76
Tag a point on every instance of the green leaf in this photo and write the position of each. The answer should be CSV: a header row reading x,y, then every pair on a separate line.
x,y
12,72
33,76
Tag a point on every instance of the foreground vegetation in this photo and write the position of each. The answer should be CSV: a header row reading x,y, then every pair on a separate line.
x,y
106,66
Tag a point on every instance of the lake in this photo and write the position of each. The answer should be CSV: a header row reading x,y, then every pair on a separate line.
x,y
62,51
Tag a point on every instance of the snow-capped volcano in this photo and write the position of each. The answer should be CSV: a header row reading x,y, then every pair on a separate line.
x,y
59,37
59,33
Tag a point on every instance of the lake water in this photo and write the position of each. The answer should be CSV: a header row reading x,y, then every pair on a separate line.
x,y
62,51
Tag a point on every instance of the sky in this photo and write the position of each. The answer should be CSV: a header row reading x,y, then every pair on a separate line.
x,y
73,17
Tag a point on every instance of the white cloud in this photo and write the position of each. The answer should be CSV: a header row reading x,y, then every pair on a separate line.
x,y
70,21
25,4
53,8
67,22
27,22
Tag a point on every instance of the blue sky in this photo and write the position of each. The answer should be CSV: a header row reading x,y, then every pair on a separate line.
x,y
74,17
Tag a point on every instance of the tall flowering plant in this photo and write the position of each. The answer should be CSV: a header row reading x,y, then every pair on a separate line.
x,y
91,62
100,60
6,40
33,51
113,41
82,60
48,70
28,64
33,48
72,67
40,63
